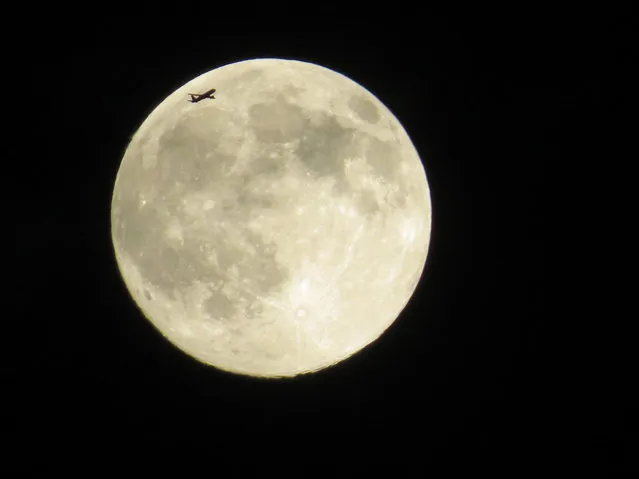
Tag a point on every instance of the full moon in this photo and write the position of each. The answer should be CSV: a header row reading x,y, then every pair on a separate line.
x,y
276,229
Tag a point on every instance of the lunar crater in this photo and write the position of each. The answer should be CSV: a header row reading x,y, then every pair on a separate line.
x,y
276,121
363,108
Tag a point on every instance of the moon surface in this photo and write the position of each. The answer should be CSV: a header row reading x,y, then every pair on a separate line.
x,y
277,229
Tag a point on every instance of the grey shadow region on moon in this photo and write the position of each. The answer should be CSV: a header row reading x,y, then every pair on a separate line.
x,y
277,229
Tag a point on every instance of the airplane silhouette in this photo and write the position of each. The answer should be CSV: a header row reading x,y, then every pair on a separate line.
x,y
199,97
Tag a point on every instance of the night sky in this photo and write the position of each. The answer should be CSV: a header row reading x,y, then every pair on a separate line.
x,y
464,376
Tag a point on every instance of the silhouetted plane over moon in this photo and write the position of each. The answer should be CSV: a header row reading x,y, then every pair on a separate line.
x,y
199,97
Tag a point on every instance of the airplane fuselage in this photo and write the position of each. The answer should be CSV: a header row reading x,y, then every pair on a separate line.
x,y
199,97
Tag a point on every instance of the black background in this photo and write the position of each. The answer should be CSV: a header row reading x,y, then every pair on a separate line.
x,y
463,377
